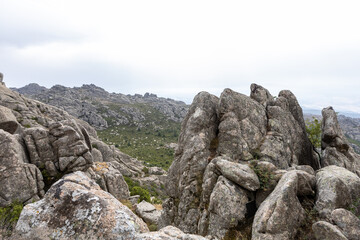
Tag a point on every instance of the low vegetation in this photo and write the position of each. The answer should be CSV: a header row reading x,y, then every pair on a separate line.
x,y
265,176
148,142
145,192
9,217
311,216
313,130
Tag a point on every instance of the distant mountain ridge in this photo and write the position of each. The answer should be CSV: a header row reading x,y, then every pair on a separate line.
x,y
102,109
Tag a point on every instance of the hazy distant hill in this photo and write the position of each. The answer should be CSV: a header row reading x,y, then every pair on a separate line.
x,y
102,109
140,125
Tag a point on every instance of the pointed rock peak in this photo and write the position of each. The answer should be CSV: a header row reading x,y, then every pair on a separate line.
x,y
260,94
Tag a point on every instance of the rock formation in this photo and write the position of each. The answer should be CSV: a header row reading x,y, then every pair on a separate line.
x,y
218,140
336,149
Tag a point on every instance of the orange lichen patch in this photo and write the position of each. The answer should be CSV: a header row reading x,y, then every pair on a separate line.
x,y
158,206
100,166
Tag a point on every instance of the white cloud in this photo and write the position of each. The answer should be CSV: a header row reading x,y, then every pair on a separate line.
x,y
177,48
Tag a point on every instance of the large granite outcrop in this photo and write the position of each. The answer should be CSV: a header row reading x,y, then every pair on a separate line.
x,y
212,184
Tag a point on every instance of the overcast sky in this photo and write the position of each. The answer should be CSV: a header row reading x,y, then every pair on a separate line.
x,y
178,48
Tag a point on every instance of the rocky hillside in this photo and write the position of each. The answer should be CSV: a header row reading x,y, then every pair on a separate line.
x,y
141,126
244,168
102,109
39,145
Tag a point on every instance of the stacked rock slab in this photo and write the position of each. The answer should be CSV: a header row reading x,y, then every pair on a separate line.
x,y
60,149
336,150
211,186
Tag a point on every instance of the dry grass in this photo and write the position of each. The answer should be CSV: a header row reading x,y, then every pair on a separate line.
x,y
158,206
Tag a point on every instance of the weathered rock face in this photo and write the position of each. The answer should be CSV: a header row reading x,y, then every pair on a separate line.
x,y
242,126
260,94
348,223
8,120
240,174
18,180
325,230
223,217
212,187
127,165
169,233
191,158
281,214
344,225
109,179
148,212
336,188
76,208
65,147
336,149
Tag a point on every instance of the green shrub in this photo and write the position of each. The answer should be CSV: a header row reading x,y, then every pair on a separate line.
x,y
313,130
144,194
9,216
152,227
145,170
265,176
136,189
